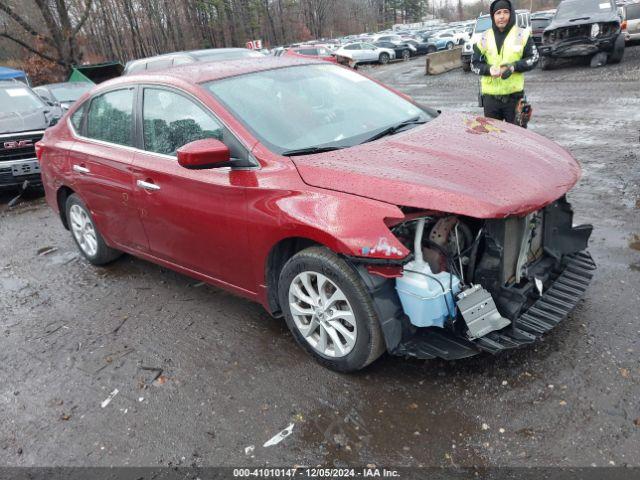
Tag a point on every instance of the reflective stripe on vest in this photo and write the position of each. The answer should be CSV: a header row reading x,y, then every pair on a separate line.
x,y
512,51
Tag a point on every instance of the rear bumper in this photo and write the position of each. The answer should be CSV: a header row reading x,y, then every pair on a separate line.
x,y
549,310
631,37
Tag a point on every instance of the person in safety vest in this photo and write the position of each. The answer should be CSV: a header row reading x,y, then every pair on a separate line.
x,y
500,57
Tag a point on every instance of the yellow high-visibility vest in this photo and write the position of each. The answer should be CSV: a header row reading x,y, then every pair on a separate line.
x,y
512,51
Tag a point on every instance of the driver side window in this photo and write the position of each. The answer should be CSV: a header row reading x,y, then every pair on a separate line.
x,y
170,121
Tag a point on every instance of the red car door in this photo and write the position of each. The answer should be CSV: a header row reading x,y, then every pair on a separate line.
x,y
193,218
100,163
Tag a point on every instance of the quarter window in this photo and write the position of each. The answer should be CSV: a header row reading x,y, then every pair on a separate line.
x,y
110,117
76,118
170,121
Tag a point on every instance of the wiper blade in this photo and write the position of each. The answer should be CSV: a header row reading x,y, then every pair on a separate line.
x,y
394,128
310,150
579,18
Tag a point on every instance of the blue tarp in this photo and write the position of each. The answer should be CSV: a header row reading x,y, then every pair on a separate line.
x,y
9,74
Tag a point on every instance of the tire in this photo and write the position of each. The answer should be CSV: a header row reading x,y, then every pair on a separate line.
x,y
466,66
318,269
618,50
449,46
384,58
431,49
546,63
406,55
86,235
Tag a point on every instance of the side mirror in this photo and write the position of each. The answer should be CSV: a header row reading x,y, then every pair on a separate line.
x,y
202,154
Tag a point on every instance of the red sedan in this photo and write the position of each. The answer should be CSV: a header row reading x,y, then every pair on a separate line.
x,y
370,222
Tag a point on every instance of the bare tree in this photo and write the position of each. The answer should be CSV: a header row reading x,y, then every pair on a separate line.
x,y
57,41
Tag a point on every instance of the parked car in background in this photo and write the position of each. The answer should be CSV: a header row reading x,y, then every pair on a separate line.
x,y
363,52
583,28
387,38
160,62
62,94
422,48
630,13
305,186
483,23
24,116
539,22
311,51
401,50
444,40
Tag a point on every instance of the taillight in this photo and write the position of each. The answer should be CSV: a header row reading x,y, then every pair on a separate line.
x,y
624,25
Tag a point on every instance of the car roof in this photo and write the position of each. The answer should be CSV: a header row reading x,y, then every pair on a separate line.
x,y
63,84
201,72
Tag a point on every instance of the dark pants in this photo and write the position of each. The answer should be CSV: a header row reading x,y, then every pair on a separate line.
x,y
501,108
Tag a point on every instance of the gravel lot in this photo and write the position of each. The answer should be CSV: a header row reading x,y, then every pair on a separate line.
x,y
230,377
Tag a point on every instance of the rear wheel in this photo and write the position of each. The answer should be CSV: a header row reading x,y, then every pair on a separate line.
x,y
466,66
406,55
618,50
384,58
450,46
329,311
86,235
431,49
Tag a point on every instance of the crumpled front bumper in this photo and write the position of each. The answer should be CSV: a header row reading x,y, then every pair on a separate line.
x,y
577,47
553,306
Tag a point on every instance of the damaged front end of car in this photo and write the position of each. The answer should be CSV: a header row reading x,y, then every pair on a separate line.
x,y
476,285
579,40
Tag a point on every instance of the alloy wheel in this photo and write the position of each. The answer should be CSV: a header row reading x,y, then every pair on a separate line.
x,y
83,230
322,314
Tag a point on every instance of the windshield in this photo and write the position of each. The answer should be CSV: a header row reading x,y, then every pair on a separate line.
x,y
18,99
70,93
540,23
581,8
312,105
483,24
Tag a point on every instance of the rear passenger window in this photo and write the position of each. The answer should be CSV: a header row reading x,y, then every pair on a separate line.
x,y
110,117
170,121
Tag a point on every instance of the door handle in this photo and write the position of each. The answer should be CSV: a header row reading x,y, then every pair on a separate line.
x,y
147,185
80,169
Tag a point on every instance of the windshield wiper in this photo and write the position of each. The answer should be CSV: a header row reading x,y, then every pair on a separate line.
x,y
395,128
579,18
310,150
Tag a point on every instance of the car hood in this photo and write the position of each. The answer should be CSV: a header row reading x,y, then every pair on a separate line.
x,y
594,17
456,163
23,121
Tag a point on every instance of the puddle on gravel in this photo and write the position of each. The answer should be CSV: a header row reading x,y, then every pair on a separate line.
x,y
13,285
389,428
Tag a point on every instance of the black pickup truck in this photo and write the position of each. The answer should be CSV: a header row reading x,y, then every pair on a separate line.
x,y
583,28
23,119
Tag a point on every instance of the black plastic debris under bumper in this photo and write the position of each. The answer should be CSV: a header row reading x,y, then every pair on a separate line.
x,y
549,310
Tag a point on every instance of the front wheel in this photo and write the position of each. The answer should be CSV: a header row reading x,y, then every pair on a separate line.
x,y
450,46
618,50
406,55
329,311
546,63
86,235
431,49
384,58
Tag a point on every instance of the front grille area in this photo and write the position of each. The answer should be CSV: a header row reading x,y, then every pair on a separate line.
x,y
12,149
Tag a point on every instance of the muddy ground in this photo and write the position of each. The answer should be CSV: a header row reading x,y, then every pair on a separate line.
x,y
231,377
